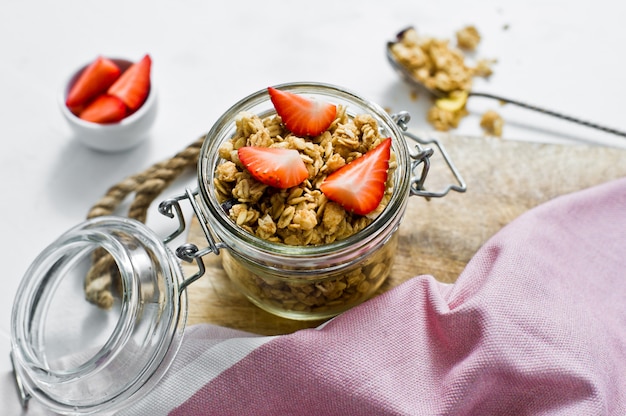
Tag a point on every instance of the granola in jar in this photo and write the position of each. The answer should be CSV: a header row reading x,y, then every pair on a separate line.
x,y
300,215
303,214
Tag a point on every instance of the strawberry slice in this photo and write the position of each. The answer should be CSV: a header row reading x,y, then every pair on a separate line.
x,y
95,79
302,116
359,186
277,167
133,85
104,109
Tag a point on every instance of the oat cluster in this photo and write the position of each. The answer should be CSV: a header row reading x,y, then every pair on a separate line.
x,y
444,120
468,38
301,215
492,123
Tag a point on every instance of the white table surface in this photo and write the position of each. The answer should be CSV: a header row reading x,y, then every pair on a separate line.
x,y
564,55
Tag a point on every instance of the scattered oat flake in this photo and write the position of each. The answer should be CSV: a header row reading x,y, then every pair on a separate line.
x,y
468,38
492,123
483,68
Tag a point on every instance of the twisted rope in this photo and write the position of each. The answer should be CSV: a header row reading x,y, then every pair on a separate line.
x,y
103,275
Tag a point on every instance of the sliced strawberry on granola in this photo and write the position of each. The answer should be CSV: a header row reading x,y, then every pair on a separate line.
x,y
104,109
276,167
303,116
93,81
359,186
133,85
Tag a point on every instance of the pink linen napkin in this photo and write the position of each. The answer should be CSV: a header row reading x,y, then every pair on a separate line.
x,y
535,325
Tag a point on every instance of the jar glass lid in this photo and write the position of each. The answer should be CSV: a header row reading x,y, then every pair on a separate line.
x,y
76,357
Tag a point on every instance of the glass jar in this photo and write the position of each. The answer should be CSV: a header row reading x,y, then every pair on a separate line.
x,y
315,281
76,358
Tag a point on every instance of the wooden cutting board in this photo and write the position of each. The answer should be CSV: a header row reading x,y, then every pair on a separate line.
x,y
437,236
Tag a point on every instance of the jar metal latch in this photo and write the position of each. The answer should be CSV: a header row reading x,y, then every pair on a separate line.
x,y
189,252
421,156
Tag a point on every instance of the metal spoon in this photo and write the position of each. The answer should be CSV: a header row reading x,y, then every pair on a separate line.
x,y
406,75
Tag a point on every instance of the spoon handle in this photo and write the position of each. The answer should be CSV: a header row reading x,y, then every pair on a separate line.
x,y
549,112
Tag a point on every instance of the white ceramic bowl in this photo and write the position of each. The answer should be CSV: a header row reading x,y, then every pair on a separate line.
x,y
114,137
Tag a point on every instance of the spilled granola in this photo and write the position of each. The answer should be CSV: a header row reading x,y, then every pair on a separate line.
x,y
440,66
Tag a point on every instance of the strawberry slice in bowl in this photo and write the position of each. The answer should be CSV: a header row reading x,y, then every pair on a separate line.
x,y
94,80
274,166
133,86
302,115
359,186
104,109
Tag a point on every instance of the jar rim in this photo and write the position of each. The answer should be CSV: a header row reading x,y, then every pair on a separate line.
x,y
218,134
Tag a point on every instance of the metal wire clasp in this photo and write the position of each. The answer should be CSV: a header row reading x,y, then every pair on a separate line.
x,y
421,156
188,252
